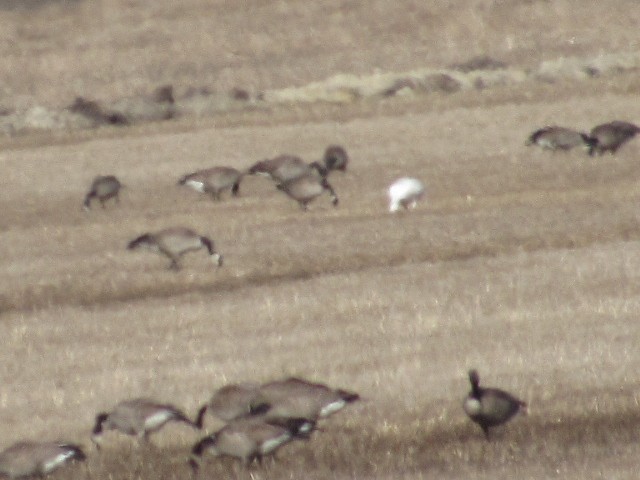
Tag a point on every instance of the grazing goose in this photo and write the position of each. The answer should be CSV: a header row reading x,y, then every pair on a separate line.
x,y
609,137
175,242
298,398
214,181
304,189
558,138
286,167
103,188
250,439
336,158
230,402
489,407
139,417
94,112
27,459
405,192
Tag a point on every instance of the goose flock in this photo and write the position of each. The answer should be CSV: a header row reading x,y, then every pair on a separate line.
x,y
259,419
603,138
302,182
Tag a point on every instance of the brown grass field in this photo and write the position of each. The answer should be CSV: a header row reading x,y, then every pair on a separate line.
x,y
519,262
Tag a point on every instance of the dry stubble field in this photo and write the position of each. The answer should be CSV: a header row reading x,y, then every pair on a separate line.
x,y
520,262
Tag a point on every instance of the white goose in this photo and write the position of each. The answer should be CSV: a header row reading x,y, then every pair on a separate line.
x,y
405,192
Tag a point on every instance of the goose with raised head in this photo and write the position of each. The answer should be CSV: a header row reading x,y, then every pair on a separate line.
x,y
609,137
175,242
558,138
306,188
137,417
286,167
28,459
490,407
103,188
405,192
213,181
250,439
230,402
299,398
336,158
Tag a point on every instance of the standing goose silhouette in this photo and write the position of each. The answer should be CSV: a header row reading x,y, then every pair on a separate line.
x,y
490,407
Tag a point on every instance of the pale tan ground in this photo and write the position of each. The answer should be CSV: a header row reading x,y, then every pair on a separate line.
x,y
519,262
